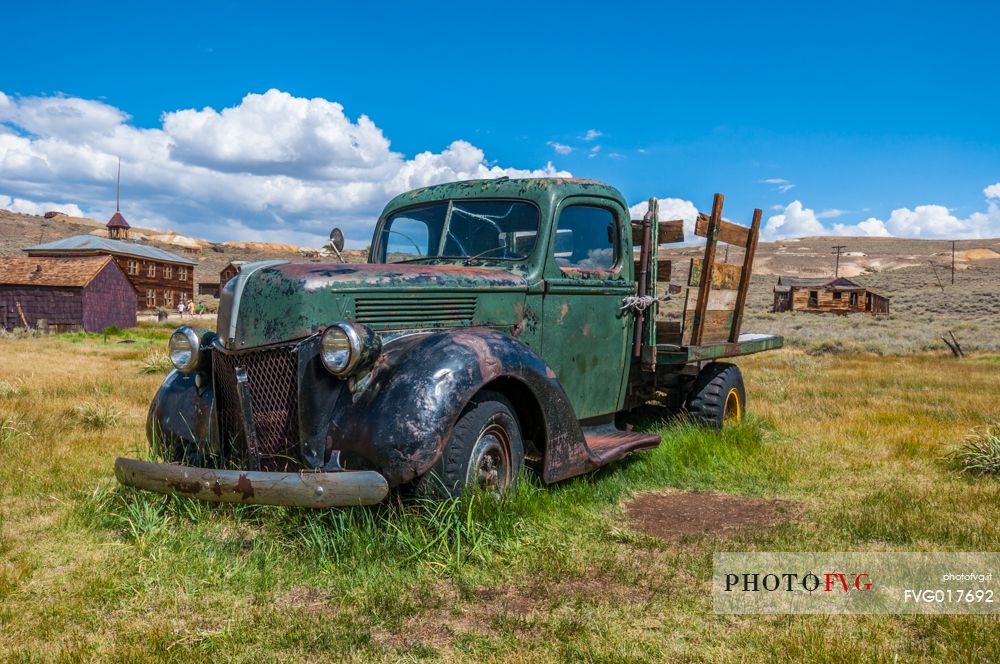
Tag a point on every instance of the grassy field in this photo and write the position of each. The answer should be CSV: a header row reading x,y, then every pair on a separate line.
x,y
859,443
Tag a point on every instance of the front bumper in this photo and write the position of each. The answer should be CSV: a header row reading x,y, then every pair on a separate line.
x,y
301,489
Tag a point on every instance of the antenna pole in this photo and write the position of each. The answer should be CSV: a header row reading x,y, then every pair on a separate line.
x,y
118,188
836,269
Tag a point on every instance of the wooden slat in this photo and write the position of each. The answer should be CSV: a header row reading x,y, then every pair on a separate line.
x,y
663,267
717,299
705,282
745,274
668,232
714,329
671,231
724,275
729,232
668,332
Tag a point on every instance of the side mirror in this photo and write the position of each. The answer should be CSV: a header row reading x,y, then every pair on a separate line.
x,y
337,243
337,239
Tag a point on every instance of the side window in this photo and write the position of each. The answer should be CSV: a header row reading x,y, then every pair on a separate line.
x,y
586,238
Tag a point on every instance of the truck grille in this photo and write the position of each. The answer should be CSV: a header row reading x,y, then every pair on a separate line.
x,y
271,376
400,312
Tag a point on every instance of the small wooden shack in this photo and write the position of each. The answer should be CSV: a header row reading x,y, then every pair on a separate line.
x,y
215,288
65,294
837,295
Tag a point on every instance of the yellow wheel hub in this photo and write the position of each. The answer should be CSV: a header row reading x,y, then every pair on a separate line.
x,y
733,413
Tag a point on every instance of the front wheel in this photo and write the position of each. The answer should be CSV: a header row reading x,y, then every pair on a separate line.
x,y
718,397
485,451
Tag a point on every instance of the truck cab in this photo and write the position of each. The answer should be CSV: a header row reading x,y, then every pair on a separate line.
x,y
494,321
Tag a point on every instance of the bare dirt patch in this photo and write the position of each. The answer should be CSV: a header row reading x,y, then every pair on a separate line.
x,y
673,514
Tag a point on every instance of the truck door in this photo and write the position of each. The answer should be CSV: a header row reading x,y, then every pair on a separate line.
x,y
585,331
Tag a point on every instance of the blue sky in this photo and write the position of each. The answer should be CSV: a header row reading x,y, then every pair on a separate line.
x,y
872,111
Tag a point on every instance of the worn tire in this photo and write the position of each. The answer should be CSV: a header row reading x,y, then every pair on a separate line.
x,y
717,397
487,429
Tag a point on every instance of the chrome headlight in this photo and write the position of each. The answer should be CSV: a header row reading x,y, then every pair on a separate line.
x,y
347,347
184,349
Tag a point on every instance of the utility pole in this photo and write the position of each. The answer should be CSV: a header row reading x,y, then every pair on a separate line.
x,y
952,262
836,270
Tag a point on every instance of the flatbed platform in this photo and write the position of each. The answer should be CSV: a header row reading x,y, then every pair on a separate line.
x,y
746,345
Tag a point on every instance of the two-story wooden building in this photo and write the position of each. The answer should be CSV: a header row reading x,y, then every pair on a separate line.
x,y
827,294
161,279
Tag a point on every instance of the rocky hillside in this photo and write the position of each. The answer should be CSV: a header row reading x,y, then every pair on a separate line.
x,y
19,231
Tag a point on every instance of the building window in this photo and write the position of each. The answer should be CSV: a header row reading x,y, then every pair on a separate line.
x,y
133,266
150,297
854,299
168,298
150,270
813,298
182,273
837,295
168,272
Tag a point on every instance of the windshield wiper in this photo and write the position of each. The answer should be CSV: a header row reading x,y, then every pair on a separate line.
x,y
483,253
424,258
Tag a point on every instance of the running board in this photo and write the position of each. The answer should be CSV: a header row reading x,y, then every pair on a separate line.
x,y
606,443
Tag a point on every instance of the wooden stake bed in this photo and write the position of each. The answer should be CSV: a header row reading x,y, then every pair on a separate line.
x,y
716,291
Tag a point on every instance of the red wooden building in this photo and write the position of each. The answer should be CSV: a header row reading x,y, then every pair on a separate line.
x,y
65,294
161,279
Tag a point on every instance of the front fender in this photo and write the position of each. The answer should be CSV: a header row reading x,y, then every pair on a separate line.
x,y
181,424
401,419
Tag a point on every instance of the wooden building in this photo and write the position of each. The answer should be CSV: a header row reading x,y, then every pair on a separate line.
x,y
65,294
214,288
826,294
161,279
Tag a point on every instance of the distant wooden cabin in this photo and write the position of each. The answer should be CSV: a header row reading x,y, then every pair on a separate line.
x,y
215,288
827,294
65,294
161,279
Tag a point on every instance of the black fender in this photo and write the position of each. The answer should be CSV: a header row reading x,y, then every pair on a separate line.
x,y
398,418
181,424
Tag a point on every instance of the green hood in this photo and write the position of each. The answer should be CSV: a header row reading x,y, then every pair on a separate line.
x,y
272,302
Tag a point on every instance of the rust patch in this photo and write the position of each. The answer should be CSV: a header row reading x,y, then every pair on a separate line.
x,y
245,487
563,311
675,514
186,487
586,330
217,488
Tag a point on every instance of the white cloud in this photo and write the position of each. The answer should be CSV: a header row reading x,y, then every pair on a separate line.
x,y
25,206
669,209
593,151
560,148
592,134
274,165
870,227
781,184
832,213
794,221
992,191
616,155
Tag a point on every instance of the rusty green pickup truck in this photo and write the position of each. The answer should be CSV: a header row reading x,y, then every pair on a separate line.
x,y
496,323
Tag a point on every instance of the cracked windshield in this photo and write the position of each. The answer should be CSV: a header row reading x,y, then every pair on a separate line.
x,y
469,230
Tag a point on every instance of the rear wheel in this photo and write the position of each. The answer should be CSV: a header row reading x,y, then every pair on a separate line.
x,y
718,397
485,451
